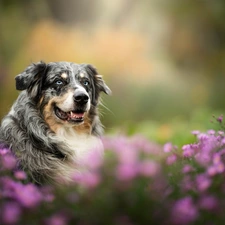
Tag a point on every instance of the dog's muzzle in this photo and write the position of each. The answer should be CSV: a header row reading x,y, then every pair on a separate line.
x,y
80,106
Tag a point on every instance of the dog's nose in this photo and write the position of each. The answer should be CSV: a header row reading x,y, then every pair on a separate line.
x,y
80,97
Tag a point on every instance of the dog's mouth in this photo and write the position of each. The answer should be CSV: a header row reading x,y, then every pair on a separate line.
x,y
76,116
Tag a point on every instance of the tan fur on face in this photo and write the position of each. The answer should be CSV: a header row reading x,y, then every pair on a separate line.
x,y
64,75
40,101
85,127
50,117
55,123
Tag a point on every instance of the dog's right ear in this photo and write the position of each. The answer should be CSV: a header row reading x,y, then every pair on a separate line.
x,y
30,75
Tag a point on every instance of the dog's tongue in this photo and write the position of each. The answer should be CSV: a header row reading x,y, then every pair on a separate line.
x,y
74,115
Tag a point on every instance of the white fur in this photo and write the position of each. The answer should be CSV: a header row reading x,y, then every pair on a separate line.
x,y
80,146
68,104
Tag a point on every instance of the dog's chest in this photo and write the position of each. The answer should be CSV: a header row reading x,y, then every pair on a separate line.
x,y
79,145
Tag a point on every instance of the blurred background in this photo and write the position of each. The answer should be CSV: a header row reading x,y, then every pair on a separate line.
x,y
163,60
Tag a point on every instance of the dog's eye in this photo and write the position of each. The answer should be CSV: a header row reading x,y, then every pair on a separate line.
x,y
85,82
59,82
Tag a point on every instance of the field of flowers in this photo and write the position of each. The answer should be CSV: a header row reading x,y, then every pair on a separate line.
x,y
139,182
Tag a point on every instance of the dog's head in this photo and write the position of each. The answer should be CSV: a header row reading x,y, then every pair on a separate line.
x,y
66,93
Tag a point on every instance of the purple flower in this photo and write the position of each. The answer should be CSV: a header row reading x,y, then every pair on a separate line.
x,y
168,147
47,192
11,213
187,168
211,171
221,133
220,119
188,150
208,202
93,160
184,211
195,132
211,132
203,182
149,168
126,172
4,151
142,144
202,137
20,175
215,169
28,195
57,219
91,180
8,161
171,159
218,164
216,158
87,179
203,158
187,183
128,155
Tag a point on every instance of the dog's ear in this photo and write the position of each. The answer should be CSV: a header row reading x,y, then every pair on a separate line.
x,y
99,82
31,77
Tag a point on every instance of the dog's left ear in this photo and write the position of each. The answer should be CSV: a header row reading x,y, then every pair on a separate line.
x,y
30,75
30,78
99,82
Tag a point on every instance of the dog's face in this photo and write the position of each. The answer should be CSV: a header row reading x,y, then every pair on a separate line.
x,y
66,93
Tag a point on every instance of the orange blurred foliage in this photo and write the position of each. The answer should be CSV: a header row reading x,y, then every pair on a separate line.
x,y
113,52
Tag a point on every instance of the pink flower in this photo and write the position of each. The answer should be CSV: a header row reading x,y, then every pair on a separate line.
x,y
4,151
8,161
57,219
188,151
171,159
128,155
211,132
142,144
217,166
184,211
208,202
211,171
220,119
126,172
149,168
28,195
91,180
202,137
203,182
20,175
168,147
87,179
187,168
93,160
221,133
195,132
11,213
203,158
187,183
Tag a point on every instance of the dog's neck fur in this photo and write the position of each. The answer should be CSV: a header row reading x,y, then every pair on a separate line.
x,y
79,144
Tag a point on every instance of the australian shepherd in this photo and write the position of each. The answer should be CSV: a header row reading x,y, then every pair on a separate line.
x,y
54,122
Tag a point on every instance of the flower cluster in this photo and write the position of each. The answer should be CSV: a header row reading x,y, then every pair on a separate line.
x,y
201,183
139,182
16,195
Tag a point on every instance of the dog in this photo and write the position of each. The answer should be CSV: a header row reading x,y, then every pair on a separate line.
x,y
54,123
